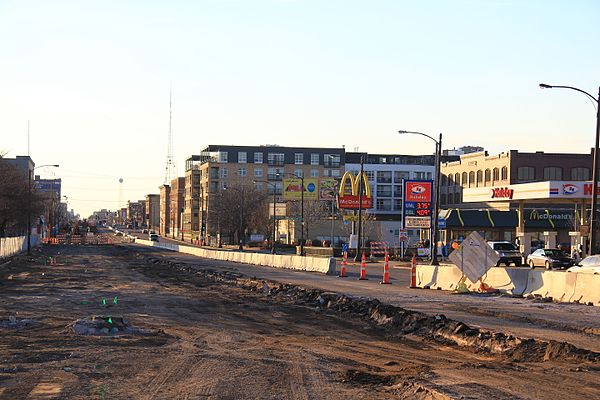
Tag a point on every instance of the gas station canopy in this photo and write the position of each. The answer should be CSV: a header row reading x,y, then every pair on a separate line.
x,y
558,192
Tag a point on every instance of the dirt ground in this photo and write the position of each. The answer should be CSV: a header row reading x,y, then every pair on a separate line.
x,y
164,331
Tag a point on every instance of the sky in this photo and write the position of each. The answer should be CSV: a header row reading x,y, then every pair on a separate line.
x,y
93,80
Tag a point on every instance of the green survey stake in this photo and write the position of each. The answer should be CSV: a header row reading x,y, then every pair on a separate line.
x,y
115,300
103,301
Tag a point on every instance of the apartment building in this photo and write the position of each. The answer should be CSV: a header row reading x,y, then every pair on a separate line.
x,y
136,213
164,212
222,166
176,206
191,210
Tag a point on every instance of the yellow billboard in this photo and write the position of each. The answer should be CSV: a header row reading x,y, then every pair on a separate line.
x,y
292,189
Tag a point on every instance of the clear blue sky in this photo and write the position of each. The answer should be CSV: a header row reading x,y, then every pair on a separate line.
x,y
93,78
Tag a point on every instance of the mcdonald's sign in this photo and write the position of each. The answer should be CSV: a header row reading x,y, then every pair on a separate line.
x,y
354,199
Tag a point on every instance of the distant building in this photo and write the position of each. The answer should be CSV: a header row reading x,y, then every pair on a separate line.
x,y
164,213
191,226
153,211
176,207
136,213
462,150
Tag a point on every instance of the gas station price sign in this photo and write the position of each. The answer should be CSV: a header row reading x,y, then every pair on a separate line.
x,y
417,203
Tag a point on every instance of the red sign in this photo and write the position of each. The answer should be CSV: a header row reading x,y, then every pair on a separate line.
x,y
351,202
587,189
502,193
418,191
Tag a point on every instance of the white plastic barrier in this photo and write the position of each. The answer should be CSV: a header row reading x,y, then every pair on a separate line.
x,y
561,286
316,264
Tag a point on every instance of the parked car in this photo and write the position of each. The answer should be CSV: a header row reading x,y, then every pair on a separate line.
x,y
508,252
589,265
153,237
549,258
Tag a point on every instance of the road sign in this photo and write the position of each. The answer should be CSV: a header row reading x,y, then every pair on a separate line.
x,y
442,223
474,257
417,222
403,236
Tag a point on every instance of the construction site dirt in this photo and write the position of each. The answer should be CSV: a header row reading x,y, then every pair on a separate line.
x,y
118,322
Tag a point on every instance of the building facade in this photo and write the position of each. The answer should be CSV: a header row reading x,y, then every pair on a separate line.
x,y
136,213
176,207
265,168
191,212
165,210
153,211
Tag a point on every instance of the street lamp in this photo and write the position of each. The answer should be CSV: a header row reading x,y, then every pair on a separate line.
x,y
274,211
593,223
301,207
436,203
29,172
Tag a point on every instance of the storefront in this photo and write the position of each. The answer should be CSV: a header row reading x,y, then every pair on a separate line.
x,y
553,212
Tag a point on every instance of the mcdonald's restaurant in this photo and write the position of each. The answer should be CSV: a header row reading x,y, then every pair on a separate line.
x,y
502,225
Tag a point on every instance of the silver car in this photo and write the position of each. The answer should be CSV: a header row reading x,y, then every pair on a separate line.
x,y
549,258
589,265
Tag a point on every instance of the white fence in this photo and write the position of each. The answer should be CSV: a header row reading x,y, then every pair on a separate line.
x,y
15,245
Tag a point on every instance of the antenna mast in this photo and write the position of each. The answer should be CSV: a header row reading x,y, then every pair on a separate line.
x,y
170,165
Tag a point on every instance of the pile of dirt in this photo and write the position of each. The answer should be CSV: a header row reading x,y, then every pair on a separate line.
x,y
105,326
397,320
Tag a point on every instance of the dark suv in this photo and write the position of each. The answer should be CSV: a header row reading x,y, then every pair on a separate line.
x,y
508,253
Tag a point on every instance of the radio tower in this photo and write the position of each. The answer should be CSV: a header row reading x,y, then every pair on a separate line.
x,y
170,165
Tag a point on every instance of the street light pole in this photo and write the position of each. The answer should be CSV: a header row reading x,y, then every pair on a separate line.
x,y
594,211
436,195
360,197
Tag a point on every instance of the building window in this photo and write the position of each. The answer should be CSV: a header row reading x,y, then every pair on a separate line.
x,y
223,156
258,186
399,175
552,173
275,158
299,172
479,177
335,173
457,178
444,180
331,160
580,174
471,178
525,173
420,175
488,175
242,171
384,191
465,179
274,174
298,158
504,173
314,173
450,198
314,159
443,199
242,157
224,172
495,175
258,172
370,175
384,204
429,175
450,180
397,204
258,158
384,176
397,190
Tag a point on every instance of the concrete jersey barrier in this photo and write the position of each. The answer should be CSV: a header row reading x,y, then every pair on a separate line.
x,y
559,285
315,264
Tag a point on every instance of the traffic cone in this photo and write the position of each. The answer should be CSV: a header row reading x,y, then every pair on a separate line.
x,y
363,268
344,263
413,273
386,271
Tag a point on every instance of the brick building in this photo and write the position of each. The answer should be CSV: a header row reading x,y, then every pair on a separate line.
x,y
176,206
164,225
